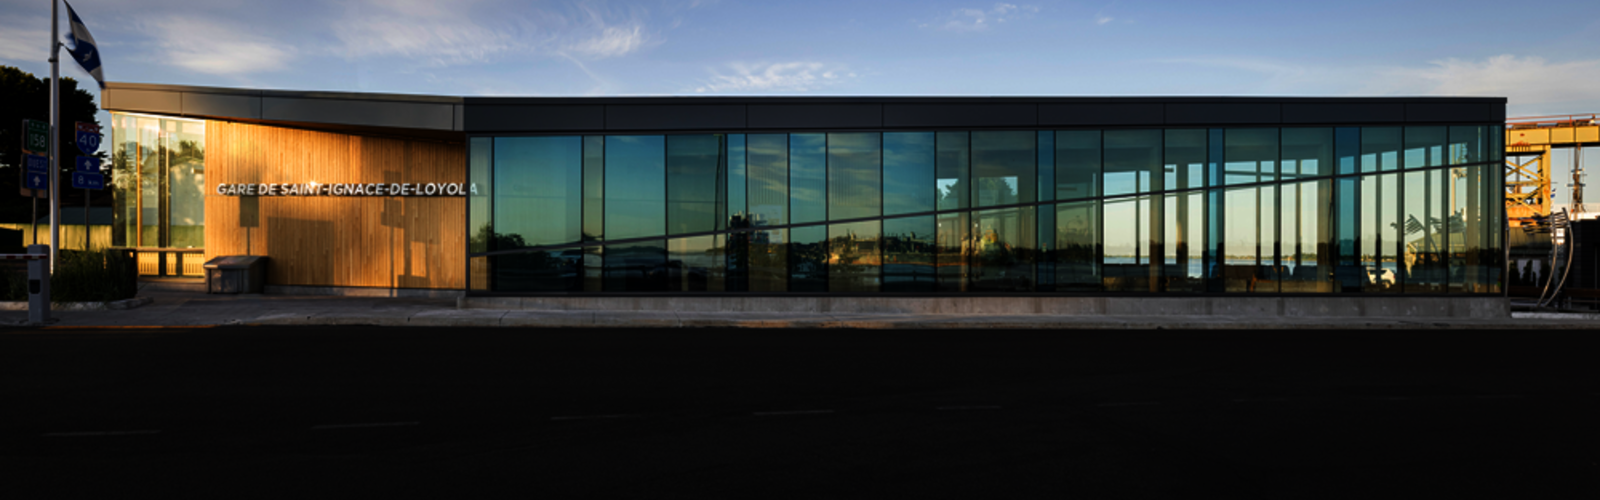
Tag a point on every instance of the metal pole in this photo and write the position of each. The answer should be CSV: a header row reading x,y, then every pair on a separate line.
x,y
55,118
85,220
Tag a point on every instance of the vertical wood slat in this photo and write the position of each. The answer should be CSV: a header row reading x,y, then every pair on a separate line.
x,y
396,242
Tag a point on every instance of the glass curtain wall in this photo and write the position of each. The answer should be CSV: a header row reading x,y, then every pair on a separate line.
x,y
158,182
1295,210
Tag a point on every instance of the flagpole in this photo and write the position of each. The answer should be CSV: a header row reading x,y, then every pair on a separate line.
x,y
55,136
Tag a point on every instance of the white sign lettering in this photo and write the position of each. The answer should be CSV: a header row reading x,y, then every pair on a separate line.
x,y
376,189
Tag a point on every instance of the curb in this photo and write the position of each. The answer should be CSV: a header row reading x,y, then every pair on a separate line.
x,y
115,305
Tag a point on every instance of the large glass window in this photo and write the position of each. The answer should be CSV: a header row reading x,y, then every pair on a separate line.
x,y
1003,166
1077,164
1185,161
538,183
854,176
1250,240
808,259
1132,251
908,181
1003,250
954,249
1424,147
594,188
1183,242
694,175
1306,263
639,266
1467,143
1307,152
479,221
808,171
537,270
737,213
1077,248
1423,265
1251,155
769,260
952,162
1132,161
158,180
854,257
908,254
695,264
768,165
636,188
1380,149
1380,232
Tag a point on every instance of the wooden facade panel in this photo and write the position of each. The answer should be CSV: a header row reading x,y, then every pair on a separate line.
x,y
391,242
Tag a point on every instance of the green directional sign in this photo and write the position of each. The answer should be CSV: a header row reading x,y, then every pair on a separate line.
x,y
36,136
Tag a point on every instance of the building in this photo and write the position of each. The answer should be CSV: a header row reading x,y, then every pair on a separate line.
x,y
1230,205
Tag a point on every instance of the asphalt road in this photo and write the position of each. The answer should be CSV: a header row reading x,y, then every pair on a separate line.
x,y
412,412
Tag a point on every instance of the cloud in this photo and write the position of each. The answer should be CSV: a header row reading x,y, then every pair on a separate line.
x,y
25,39
214,47
967,20
1100,17
779,77
467,32
614,41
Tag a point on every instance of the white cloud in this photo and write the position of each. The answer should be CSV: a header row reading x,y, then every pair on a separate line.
x,y
214,47
450,33
779,77
614,41
1103,19
968,20
25,39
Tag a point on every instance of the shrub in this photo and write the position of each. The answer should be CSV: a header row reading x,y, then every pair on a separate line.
x,y
81,277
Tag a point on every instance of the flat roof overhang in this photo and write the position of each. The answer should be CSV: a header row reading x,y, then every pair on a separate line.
x,y
452,118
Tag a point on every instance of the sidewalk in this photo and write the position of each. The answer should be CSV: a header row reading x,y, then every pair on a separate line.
x,y
190,309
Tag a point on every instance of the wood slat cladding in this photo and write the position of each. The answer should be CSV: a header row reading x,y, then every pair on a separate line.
x,y
365,241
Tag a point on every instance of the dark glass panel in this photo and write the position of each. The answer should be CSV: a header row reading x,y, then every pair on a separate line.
x,y
854,257
594,188
808,176
1077,253
1250,240
738,250
1216,226
1046,164
954,246
1423,259
1467,143
1468,230
768,164
1347,149
855,176
1077,164
1380,215
1306,254
1424,147
538,182
1494,256
908,185
769,261
1003,168
1251,155
808,259
537,271
737,212
1215,150
636,191
480,222
694,164
1004,249
952,172
594,269
1183,242
1497,137
1350,274
1185,159
1131,249
1045,261
1307,152
1380,149
908,254
1132,161
696,264
636,267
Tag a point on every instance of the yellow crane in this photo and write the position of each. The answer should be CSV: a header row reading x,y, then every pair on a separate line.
x,y
1529,142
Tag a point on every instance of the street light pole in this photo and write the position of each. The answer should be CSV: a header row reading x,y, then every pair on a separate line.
x,y
55,136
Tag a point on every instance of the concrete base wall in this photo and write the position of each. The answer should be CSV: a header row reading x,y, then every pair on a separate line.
x,y
348,291
1390,306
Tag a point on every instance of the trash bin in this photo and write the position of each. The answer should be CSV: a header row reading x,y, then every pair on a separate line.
x,y
236,274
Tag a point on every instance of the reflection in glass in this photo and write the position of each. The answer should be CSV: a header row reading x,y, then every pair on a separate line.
x,y
480,152
636,267
694,174
538,186
1306,250
478,273
1251,155
1131,248
769,261
1003,250
737,212
953,239
854,258
951,172
908,254
808,259
186,166
1380,232
737,248
1468,230
1077,164
854,176
908,185
1003,166
695,264
1424,147
1347,147
1466,144
1307,152
1250,240
768,164
1423,261
636,190
1380,149
1077,253
1185,159
594,269
808,170
1350,274
537,271
1046,165
594,188
1182,243
1132,161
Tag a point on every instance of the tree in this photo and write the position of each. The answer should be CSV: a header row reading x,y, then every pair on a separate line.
x,y
22,96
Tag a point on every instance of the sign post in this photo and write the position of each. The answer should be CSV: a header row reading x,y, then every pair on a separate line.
x,y
35,148
88,174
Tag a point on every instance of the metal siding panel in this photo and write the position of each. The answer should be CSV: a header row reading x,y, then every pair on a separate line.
x,y
355,112
1337,113
1102,114
675,117
799,116
532,117
148,101
1455,112
1206,113
960,115
221,105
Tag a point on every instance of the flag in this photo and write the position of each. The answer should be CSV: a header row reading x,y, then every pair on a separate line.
x,y
83,49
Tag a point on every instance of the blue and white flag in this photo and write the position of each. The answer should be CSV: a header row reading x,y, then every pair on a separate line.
x,y
83,49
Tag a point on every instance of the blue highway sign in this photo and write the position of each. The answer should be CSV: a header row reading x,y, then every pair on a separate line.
x,y
36,180
88,180
88,164
37,163
88,137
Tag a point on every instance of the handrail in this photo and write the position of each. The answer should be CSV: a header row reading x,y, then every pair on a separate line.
x,y
161,249
1552,120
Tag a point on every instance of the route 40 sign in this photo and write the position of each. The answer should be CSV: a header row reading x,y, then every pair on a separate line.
x,y
88,137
